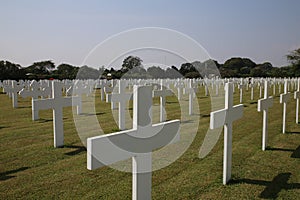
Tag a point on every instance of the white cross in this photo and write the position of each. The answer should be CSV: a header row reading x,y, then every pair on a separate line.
x,y
225,117
13,90
297,97
263,105
122,98
192,93
240,87
34,92
284,98
137,143
57,102
162,93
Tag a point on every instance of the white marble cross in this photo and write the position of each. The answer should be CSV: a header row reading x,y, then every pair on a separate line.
x,y
14,89
264,105
122,98
137,143
240,87
297,97
192,93
34,92
225,117
57,103
284,98
162,93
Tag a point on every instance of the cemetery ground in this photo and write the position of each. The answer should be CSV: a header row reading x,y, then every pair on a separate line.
x,y
31,168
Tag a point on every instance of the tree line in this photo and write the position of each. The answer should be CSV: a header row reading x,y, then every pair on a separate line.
x,y
132,68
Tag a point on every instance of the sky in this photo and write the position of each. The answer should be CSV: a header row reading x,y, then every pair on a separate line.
x,y
65,31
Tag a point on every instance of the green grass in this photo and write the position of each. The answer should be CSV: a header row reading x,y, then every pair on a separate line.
x,y
30,168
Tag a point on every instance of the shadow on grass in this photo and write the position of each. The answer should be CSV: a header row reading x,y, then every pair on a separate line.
x,y
254,102
78,150
295,154
273,187
24,107
1,127
44,120
204,115
6,175
187,121
292,132
92,114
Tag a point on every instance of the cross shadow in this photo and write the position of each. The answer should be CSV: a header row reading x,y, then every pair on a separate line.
x,y
255,102
292,132
6,175
92,114
21,107
187,121
204,115
78,150
44,120
1,127
295,152
273,187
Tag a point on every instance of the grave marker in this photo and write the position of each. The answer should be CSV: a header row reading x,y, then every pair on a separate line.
x,y
264,105
137,143
297,97
162,94
57,102
225,117
284,98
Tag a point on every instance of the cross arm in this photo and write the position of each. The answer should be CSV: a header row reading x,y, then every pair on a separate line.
x,y
264,104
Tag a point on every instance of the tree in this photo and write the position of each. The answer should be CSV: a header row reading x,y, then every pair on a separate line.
x,y
131,62
41,68
294,57
10,70
66,71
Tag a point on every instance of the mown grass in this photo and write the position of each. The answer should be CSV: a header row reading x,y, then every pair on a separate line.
x,y
30,168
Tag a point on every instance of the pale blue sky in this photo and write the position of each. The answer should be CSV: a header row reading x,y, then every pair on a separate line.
x,y
66,30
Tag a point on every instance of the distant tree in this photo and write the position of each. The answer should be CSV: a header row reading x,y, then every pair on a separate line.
x,y
156,72
172,73
130,62
86,72
41,68
186,68
294,59
12,71
66,71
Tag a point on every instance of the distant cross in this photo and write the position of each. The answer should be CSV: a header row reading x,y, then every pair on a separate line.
x,y
264,105
179,85
225,117
14,89
34,92
122,98
297,97
284,98
192,92
261,86
57,103
137,143
108,90
240,87
162,94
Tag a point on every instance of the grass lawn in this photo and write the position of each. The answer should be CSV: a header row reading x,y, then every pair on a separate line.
x,y
31,168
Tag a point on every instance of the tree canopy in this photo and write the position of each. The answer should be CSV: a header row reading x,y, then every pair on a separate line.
x,y
132,68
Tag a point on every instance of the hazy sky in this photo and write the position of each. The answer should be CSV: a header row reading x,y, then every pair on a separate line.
x,y
66,30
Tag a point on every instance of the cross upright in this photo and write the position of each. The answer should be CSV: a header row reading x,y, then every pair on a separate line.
x,y
240,87
122,98
13,90
34,92
137,143
284,98
57,102
162,94
192,92
225,117
264,105
297,97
